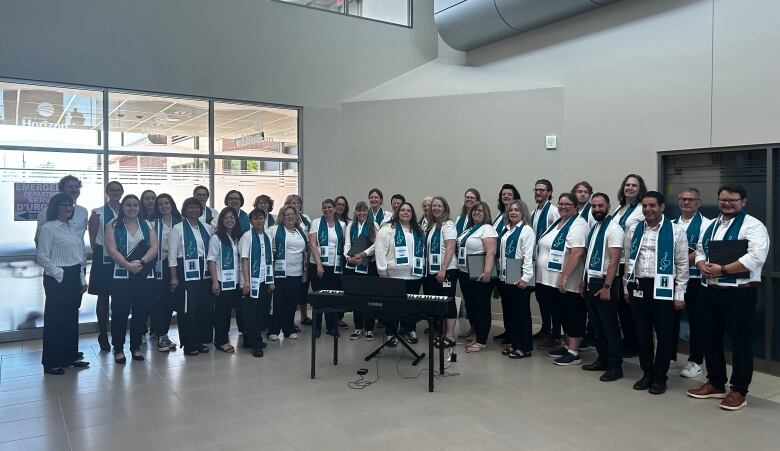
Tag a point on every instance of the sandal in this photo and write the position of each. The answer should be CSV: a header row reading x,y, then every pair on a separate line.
x,y
518,354
507,351
476,347
226,347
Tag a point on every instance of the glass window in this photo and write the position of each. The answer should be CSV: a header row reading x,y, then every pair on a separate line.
x,y
157,124
390,11
253,178
256,131
776,232
43,116
176,176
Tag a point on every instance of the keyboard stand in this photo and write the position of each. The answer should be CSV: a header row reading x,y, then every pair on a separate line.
x,y
417,357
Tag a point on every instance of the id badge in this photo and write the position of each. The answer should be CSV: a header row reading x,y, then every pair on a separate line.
x,y
594,274
556,257
254,284
324,254
418,266
401,252
269,274
446,284
639,294
462,256
279,266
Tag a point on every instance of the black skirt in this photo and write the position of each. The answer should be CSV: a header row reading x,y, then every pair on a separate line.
x,y
100,275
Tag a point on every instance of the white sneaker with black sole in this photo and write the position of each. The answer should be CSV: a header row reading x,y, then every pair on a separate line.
x,y
369,335
568,359
356,334
164,344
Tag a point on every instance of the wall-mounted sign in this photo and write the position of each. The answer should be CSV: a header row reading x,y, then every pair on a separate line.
x,y
31,199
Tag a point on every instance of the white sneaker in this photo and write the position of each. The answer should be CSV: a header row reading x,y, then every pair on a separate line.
x,y
356,334
273,337
293,336
692,369
369,335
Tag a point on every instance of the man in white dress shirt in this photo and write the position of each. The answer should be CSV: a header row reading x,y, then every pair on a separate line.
x,y
71,186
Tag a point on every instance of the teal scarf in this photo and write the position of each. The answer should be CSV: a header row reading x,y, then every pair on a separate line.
x,y
158,266
402,251
270,220
585,213
664,257
462,248
380,215
322,239
260,255
596,260
305,221
191,261
209,215
435,254
243,221
511,242
541,225
693,232
558,248
228,256
629,210
499,225
732,233
353,236
461,224
280,249
120,236
105,218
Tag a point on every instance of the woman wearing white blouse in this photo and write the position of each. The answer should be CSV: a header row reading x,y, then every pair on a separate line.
x,y
126,239
61,254
187,249
224,265
442,278
517,243
478,238
166,215
296,202
559,270
400,254
326,260
361,228
289,246
257,268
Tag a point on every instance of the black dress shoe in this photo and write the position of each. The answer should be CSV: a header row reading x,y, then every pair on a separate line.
x,y
203,349
257,352
612,374
306,321
541,335
500,336
79,356
598,365
55,371
658,388
80,364
644,383
103,342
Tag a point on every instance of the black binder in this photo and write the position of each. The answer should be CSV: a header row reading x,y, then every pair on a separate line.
x,y
723,252
358,246
138,252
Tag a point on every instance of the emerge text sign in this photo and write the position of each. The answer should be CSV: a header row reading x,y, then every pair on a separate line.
x,y
31,199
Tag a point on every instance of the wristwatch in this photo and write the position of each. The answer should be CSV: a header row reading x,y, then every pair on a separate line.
x,y
607,286
723,270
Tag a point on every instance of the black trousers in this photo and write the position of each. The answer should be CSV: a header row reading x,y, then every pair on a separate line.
x,y
604,318
61,318
254,314
571,312
329,281
130,295
285,299
391,325
694,304
100,282
196,312
626,316
517,315
650,315
165,302
224,304
729,312
551,321
360,320
477,298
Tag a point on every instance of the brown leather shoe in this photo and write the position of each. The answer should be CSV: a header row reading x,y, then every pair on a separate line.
x,y
734,401
550,343
707,391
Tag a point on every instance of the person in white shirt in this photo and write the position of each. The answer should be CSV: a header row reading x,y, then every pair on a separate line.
x,y
208,214
132,245
731,295
600,288
396,200
290,245
628,213
258,279
400,254
559,265
342,209
543,216
166,215
100,273
506,195
296,201
60,251
694,223
442,279
147,204
377,214
361,230
517,243
187,250
265,203
71,186
470,197
656,254
425,209
583,191
326,259
235,199
478,238
224,265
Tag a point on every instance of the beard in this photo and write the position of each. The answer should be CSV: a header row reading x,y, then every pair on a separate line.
x,y
598,215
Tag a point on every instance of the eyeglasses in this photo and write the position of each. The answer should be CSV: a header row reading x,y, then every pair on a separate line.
x,y
238,199
538,190
565,205
730,201
201,194
290,215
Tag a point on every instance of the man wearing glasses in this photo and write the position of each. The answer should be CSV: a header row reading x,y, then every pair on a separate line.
x,y
692,221
202,194
542,218
731,292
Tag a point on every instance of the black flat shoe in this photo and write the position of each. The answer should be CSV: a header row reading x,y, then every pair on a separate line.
x,y
644,383
598,365
507,351
193,352
499,337
658,388
611,375
79,356
518,354
306,321
203,349
119,357
55,371
258,352
103,342
80,364
137,357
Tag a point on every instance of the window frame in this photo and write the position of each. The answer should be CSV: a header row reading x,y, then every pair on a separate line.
x,y
345,13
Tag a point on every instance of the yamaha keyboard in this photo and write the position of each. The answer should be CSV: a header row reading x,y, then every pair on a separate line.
x,y
421,305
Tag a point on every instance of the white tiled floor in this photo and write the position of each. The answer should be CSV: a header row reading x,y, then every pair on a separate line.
x,y
224,402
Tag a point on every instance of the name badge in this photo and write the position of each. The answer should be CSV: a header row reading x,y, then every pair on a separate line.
x,y
446,284
418,266
556,256
639,294
593,274
228,275
269,275
462,256
401,252
324,254
279,266
254,284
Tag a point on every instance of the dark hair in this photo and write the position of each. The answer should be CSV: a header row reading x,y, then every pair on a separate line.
x,y
345,216
548,185
733,188
200,187
54,204
258,213
121,215
515,195
464,210
582,183
362,205
398,196
64,181
267,200
601,195
145,214
330,201
224,234
642,188
415,226
378,191
190,201
114,182
655,195
234,191
486,207
572,198
174,211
